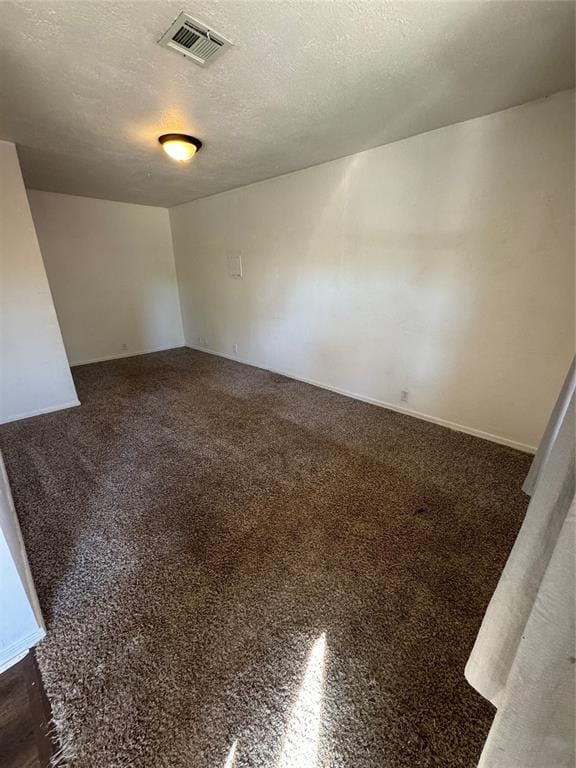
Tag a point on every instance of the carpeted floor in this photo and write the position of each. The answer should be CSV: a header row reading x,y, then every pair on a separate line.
x,y
241,569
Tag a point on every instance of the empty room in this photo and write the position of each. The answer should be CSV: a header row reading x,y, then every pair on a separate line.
x,y
287,336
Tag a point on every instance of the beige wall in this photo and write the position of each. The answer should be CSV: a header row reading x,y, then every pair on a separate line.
x,y
441,265
34,372
111,270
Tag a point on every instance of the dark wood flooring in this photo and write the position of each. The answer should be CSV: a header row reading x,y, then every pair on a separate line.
x,y
24,717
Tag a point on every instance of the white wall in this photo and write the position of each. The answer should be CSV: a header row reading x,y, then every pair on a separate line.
x,y
34,372
21,625
441,265
111,270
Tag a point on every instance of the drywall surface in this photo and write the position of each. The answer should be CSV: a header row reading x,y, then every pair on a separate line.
x,y
111,270
440,266
34,372
22,625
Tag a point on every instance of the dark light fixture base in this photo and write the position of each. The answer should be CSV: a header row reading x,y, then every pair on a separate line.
x,y
180,137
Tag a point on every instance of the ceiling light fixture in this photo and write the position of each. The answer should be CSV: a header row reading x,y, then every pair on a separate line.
x,y
179,146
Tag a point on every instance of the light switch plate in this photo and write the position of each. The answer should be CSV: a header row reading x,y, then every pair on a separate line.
x,y
235,266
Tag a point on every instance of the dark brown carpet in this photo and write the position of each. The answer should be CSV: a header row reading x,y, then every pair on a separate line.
x,y
194,528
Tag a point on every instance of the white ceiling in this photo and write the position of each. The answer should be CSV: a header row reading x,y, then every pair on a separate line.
x,y
85,90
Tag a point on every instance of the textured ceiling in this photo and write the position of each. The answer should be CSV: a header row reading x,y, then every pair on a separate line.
x,y
85,91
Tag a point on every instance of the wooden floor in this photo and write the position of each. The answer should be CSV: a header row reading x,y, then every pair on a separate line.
x,y
24,717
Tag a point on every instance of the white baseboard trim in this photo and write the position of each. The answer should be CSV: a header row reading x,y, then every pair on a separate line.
x,y
39,412
4,666
15,652
383,404
122,355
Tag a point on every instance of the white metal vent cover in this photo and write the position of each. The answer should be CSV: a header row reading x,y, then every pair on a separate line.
x,y
191,38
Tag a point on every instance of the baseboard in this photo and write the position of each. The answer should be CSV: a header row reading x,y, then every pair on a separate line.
x,y
15,652
122,355
383,404
40,412
5,666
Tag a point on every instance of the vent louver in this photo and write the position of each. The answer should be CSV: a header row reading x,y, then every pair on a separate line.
x,y
193,39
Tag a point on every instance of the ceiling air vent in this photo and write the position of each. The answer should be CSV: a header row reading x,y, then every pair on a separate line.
x,y
193,39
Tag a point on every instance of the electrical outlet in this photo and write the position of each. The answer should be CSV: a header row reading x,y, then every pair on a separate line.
x,y
202,342
404,396
124,347
235,348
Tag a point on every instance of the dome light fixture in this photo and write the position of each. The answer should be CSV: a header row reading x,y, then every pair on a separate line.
x,y
179,146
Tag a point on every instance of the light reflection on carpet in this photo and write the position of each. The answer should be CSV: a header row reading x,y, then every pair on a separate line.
x,y
300,748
